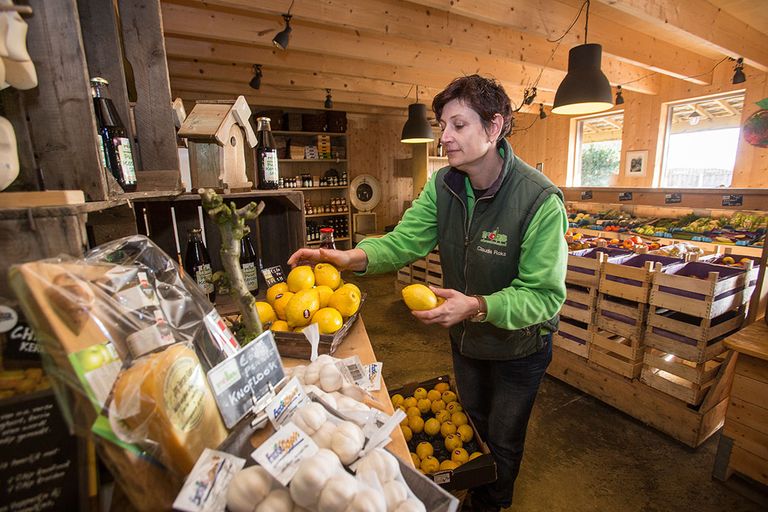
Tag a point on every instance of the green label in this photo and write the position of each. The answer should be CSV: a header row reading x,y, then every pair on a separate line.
x,y
270,165
125,155
102,153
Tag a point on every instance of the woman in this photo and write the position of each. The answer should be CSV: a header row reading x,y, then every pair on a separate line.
x,y
499,224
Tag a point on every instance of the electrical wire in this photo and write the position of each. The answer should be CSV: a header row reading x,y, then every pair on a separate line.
x,y
683,78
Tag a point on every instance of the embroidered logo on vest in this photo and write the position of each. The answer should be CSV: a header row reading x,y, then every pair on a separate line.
x,y
494,238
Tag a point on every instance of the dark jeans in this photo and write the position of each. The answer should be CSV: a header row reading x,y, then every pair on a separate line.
x,y
499,396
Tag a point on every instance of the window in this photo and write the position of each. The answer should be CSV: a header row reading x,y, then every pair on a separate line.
x,y
598,150
701,141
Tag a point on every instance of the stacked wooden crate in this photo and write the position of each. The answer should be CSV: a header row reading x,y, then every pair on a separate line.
x,y
693,308
426,271
622,312
578,313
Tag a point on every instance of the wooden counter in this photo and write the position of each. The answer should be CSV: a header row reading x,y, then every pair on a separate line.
x,y
743,446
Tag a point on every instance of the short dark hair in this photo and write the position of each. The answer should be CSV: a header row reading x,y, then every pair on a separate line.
x,y
485,96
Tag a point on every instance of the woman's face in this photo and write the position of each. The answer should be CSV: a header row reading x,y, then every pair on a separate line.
x,y
464,137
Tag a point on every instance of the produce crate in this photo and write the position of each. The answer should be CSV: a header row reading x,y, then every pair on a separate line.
x,y
752,272
573,336
624,317
617,353
700,289
689,337
584,266
684,379
631,278
473,473
425,271
580,303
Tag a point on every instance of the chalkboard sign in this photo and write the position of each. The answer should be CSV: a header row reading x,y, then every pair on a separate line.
x,y
39,464
19,340
673,198
586,195
625,196
273,275
246,376
733,200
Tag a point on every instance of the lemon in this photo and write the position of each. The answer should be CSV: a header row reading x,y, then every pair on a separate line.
x,y
459,456
448,465
404,422
424,450
346,300
353,286
442,387
452,442
475,455
327,275
418,297
413,411
397,399
280,326
465,433
301,278
453,407
325,295
433,395
443,416
298,329
407,432
281,301
275,290
437,406
266,313
328,320
416,460
416,424
424,405
430,465
301,307
409,402
431,426
449,396
447,428
459,418
419,393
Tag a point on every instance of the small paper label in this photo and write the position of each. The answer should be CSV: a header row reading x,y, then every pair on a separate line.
x,y
204,277
587,194
733,200
673,198
251,276
273,275
354,371
291,397
125,155
625,196
205,489
97,368
282,453
374,376
221,334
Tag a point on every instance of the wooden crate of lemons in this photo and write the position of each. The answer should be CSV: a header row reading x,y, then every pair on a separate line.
x,y
310,295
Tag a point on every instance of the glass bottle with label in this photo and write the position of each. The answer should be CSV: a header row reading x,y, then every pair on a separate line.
x,y
266,155
326,238
115,143
197,263
249,263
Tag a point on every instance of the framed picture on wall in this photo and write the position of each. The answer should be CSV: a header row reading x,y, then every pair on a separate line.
x,y
637,162
540,166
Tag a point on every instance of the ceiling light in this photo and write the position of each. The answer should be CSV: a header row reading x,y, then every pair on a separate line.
x,y
619,97
694,118
328,99
585,89
417,129
738,72
542,114
282,37
255,82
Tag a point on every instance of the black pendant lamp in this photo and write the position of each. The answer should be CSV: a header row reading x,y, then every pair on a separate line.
x,y
417,129
585,89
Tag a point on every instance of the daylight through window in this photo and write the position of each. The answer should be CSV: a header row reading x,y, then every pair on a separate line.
x,y
598,150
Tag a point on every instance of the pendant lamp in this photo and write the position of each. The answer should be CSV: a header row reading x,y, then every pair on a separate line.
x,y
417,129
585,89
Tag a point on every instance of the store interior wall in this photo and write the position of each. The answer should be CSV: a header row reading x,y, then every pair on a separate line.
x,y
548,140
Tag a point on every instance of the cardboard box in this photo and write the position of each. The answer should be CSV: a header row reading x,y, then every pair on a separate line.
x,y
479,471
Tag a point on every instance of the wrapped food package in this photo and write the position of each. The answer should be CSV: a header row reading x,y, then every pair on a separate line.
x,y
127,341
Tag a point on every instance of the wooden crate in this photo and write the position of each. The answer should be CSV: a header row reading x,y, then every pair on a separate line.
x,y
580,303
617,353
631,279
573,336
687,380
426,271
623,317
700,289
585,265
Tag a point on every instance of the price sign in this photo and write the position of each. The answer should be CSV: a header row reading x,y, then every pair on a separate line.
x,y
273,275
733,200
245,377
586,195
625,196
673,198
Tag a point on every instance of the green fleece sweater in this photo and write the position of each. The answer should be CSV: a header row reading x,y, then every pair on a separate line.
x,y
535,296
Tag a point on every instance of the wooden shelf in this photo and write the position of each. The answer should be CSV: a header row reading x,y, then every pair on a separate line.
x,y
338,187
312,160
287,132
440,158
341,239
315,215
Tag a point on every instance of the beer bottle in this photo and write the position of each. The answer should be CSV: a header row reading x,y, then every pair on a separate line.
x,y
266,156
249,264
197,263
115,144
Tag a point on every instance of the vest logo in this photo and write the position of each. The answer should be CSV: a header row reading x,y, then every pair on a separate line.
x,y
494,238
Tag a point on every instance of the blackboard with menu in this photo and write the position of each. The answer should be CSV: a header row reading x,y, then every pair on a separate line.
x,y
39,460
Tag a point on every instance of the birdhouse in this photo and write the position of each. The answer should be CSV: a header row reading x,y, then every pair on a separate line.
x,y
220,141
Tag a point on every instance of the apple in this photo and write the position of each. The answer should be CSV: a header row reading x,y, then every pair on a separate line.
x,y
91,358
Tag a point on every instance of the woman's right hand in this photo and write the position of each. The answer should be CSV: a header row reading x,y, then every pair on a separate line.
x,y
353,259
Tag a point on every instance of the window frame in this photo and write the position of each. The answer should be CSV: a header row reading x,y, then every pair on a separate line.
x,y
574,177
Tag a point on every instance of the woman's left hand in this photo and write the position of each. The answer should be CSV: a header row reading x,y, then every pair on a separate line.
x,y
457,307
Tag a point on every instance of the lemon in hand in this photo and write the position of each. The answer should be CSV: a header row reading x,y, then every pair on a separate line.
x,y
301,278
328,320
327,275
419,298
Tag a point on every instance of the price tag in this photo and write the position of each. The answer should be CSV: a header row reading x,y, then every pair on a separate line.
x,y
205,489
242,379
282,453
673,198
586,195
374,376
291,397
625,196
354,371
273,275
733,200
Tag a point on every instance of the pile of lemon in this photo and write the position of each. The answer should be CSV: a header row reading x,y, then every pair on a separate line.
x,y
436,428
309,295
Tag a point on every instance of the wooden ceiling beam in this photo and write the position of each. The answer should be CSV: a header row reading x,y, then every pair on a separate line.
x,y
700,20
183,20
550,19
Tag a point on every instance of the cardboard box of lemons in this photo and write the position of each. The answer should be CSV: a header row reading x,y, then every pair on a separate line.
x,y
301,307
328,320
281,302
275,290
301,278
327,275
419,298
346,300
